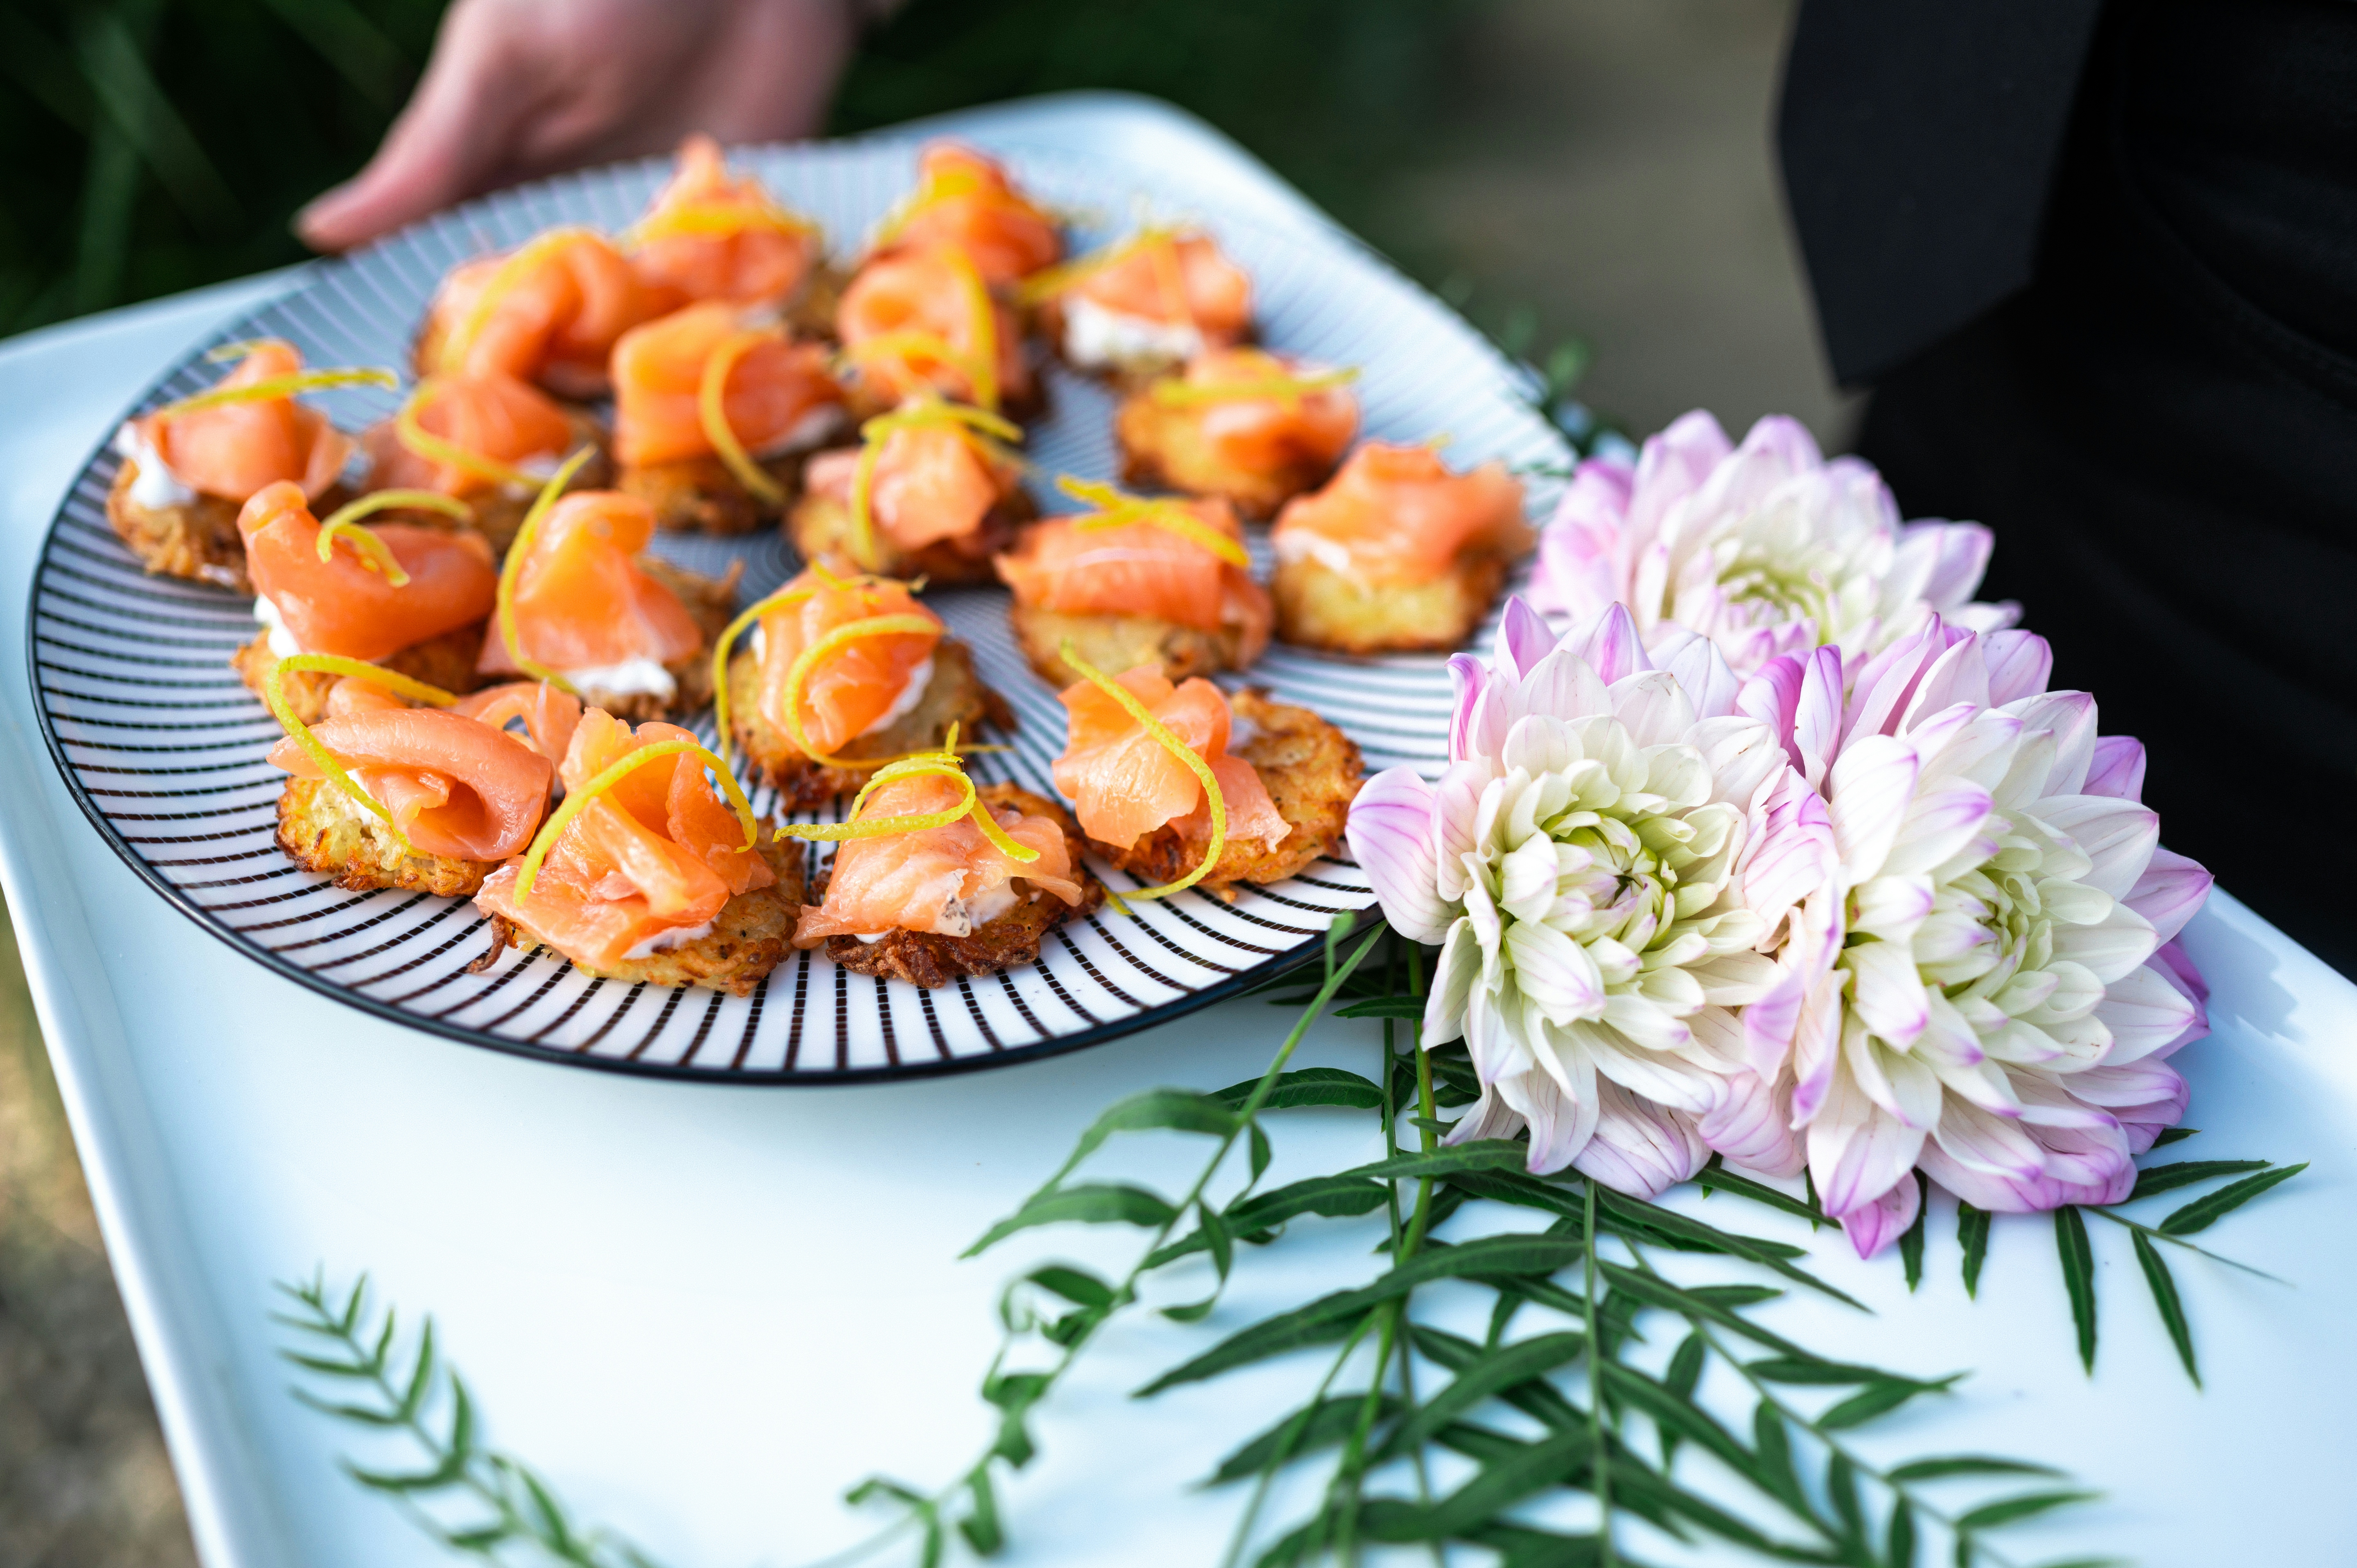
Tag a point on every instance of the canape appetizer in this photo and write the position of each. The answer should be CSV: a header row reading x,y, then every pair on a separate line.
x,y
489,440
644,873
964,198
929,493
1248,426
579,604
1166,582
1156,300
189,467
431,798
714,409
711,235
842,675
934,878
1398,554
548,312
1184,786
916,321
409,597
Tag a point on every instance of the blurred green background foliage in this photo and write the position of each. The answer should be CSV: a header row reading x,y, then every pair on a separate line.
x,y
153,145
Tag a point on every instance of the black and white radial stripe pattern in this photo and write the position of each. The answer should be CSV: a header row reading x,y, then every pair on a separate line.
x,y
164,748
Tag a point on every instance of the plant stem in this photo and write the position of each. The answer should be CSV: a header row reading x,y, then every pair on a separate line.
x,y
2143,1230
1599,1461
1243,1529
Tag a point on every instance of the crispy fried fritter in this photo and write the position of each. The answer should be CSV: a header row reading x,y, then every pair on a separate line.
x,y
1116,644
1317,607
751,935
1163,447
323,830
197,540
448,661
821,526
955,695
1010,941
1312,771
701,495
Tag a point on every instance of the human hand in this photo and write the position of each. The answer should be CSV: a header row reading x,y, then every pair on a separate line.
x,y
522,88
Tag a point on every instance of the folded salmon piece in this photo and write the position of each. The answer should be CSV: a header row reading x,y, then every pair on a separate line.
x,y
864,685
548,312
1399,516
711,235
1124,783
645,866
583,602
948,881
550,715
233,449
918,320
344,605
930,483
964,198
492,415
456,784
779,396
1074,566
1260,433
1162,296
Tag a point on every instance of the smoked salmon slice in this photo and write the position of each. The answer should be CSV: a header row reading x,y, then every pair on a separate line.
x,y
504,423
548,312
1124,784
1398,516
549,714
1244,424
1163,295
233,449
776,395
927,484
948,881
965,199
583,603
861,684
456,784
924,321
647,865
1093,565
345,605
709,235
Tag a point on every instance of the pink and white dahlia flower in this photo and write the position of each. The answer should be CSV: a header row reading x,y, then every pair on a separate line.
x,y
1598,864
1765,549
1979,984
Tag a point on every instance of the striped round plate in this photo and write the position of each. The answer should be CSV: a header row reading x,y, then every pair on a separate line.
x,y
165,749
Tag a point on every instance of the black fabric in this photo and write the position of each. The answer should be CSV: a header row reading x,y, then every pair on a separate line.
x,y
2162,430
1919,139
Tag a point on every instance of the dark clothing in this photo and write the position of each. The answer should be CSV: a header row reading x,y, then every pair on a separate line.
x,y
2161,427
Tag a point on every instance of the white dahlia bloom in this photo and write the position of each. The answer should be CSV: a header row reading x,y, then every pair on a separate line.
x,y
1765,549
1585,863
1977,986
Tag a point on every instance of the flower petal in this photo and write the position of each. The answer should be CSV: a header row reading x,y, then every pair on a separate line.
x,y
1638,1147
1389,831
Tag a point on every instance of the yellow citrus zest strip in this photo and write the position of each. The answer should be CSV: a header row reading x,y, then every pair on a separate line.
x,y
718,218
944,764
914,344
512,272
222,353
1049,281
1176,747
511,571
1175,392
936,189
270,387
1116,509
727,641
409,429
841,637
273,692
712,410
983,372
925,413
575,799
344,524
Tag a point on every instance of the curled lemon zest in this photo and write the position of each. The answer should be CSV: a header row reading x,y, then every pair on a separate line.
x,y
712,410
985,372
718,220
840,637
943,764
238,349
1178,748
270,387
1117,510
1177,392
927,412
344,524
521,260
1049,281
409,429
273,692
511,571
911,345
575,799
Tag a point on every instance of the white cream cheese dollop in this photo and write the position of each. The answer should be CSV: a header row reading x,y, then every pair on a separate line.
x,y
282,641
808,431
1095,337
155,486
631,678
664,942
